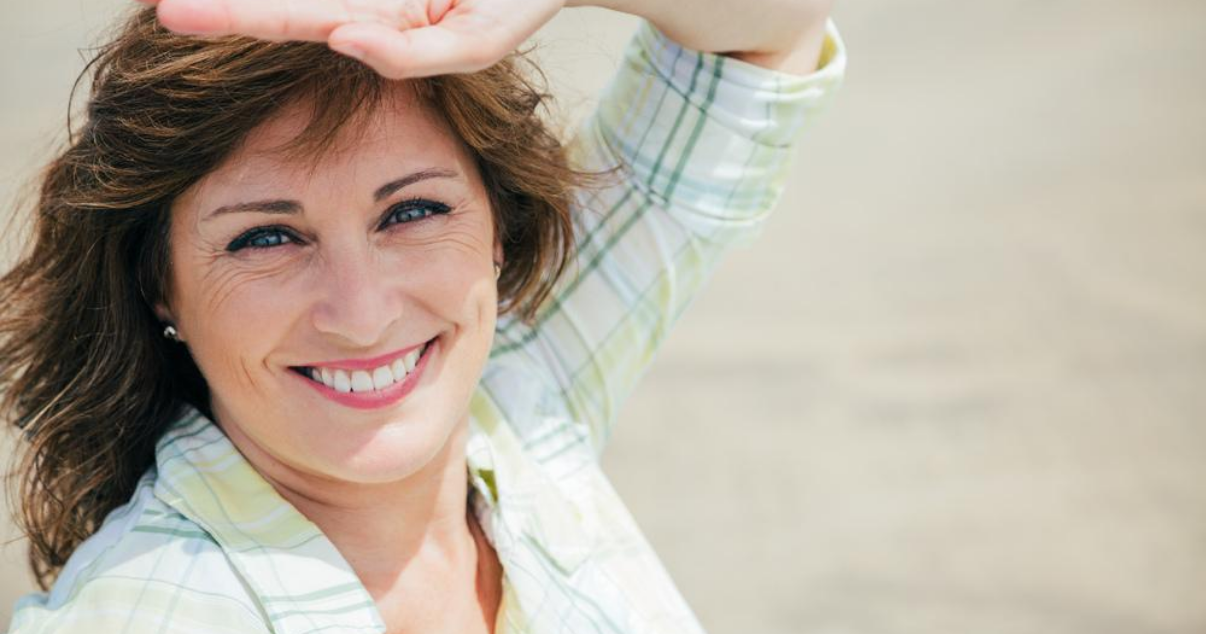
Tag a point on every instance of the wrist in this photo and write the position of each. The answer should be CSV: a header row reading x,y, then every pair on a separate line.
x,y
802,57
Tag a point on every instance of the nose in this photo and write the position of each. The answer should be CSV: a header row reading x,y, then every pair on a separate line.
x,y
359,297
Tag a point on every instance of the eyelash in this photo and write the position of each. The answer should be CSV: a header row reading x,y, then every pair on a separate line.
x,y
410,210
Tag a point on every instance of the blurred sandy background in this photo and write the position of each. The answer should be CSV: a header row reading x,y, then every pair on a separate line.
x,y
960,385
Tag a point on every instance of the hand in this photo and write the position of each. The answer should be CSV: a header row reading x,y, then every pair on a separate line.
x,y
397,38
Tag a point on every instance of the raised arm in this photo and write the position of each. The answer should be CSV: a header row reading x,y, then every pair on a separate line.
x,y
704,143
785,35
412,38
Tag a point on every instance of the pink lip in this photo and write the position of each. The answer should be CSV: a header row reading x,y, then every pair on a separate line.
x,y
363,364
376,398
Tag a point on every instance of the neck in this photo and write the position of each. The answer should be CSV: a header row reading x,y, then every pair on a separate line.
x,y
394,535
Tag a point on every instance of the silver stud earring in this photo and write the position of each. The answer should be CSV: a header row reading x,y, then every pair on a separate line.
x,y
497,271
170,332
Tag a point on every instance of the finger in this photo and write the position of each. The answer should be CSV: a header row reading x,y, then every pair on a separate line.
x,y
419,52
311,20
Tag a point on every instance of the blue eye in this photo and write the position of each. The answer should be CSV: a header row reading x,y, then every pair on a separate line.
x,y
261,238
414,209
401,213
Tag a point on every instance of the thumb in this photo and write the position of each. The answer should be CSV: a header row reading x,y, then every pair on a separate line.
x,y
415,52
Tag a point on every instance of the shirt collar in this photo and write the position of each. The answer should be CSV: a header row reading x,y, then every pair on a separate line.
x,y
301,580
522,497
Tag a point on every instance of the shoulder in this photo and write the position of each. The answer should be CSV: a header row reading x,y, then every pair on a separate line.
x,y
148,569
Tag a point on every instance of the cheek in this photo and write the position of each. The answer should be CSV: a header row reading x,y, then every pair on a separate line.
x,y
233,317
454,288
452,276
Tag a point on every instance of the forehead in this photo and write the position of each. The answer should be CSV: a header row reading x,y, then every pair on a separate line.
x,y
398,132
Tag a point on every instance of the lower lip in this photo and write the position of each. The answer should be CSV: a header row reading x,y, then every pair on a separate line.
x,y
375,399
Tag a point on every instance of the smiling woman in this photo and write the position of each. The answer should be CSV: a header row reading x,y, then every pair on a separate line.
x,y
295,346
361,260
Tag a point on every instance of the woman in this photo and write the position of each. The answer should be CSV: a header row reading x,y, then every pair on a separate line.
x,y
253,342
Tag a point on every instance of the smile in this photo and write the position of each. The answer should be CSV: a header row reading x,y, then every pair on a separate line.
x,y
370,383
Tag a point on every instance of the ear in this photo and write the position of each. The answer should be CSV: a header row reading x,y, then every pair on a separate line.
x,y
498,252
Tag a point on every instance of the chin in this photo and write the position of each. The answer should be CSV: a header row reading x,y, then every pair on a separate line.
x,y
382,453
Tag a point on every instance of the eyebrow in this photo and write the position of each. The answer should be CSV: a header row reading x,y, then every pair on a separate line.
x,y
288,207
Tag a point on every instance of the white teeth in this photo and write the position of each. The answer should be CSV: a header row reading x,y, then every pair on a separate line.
x,y
398,369
342,383
411,359
364,381
382,378
361,381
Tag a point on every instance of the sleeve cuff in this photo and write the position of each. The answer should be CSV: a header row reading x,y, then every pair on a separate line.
x,y
705,135
770,106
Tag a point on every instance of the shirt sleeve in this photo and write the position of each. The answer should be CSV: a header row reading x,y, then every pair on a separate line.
x,y
137,606
702,143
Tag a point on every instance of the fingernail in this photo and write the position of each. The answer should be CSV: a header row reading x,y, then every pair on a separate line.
x,y
349,49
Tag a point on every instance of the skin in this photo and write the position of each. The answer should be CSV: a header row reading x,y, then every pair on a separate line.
x,y
412,38
388,486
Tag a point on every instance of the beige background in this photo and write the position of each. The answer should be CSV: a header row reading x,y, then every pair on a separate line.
x,y
960,385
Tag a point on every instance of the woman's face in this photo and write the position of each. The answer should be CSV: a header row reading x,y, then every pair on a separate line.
x,y
306,291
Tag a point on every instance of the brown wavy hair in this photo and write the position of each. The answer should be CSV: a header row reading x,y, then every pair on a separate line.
x,y
85,373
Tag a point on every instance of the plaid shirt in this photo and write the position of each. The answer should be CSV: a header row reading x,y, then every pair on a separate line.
x,y
206,545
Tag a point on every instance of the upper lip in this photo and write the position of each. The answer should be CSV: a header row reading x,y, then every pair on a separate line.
x,y
364,364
